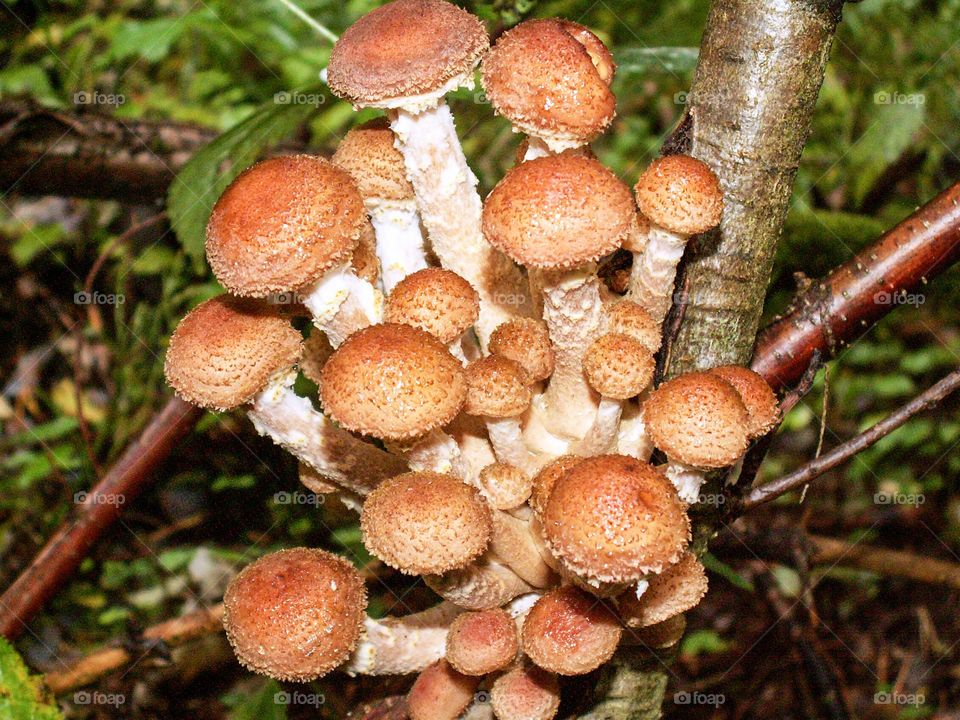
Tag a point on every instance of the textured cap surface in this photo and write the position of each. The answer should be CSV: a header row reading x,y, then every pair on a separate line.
x,y
613,518
425,522
392,381
226,350
364,260
632,319
758,397
697,419
481,642
496,386
558,212
436,300
526,341
505,486
282,224
544,480
541,76
316,351
295,614
367,152
570,632
617,366
404,48
525,693
677,589
440,693
681,194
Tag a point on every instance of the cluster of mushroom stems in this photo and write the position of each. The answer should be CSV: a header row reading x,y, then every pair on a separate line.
x,y
485,400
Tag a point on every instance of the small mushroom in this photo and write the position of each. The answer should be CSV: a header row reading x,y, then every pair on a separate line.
x,y
677,589
527,342
525,692
482,585
505,486
758,398
482,642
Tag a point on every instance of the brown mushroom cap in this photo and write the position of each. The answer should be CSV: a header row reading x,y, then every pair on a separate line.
x,y
681,194
226,350
405,48
544,480
316,351
482,642
617,366
632,319
496,387
526,341
525,693
364,261
570,632
698,419
425,522
558,212
677,589
368,153
758,397
392,381
543,77
440,693
295,614
505,486
436,300
282,224
613,518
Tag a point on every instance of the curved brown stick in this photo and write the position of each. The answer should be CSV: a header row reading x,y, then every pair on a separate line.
x,y
838,309
61,555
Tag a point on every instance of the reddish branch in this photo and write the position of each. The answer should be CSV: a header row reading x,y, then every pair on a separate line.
x,y
64,551
835,311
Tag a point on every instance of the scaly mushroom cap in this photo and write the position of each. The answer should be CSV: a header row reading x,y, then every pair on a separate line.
x,y
551,79
525,693
425,522
617,366
698,419
558,212
226,350
367,152
364,261
436,300
505,486
392,381
405,48
613,519
295,614
526,341
316,351
482,642
570,632
758,397
282,224
440,693
544,480
677,589
681,194
632,319
496,387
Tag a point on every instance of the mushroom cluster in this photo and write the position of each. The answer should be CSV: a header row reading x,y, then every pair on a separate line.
x,y
487,400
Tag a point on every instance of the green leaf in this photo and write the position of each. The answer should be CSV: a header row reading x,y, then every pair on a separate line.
x,y
22,695
150,39
260,705
703,642
642,60
154,260
719,567
893,126
201,181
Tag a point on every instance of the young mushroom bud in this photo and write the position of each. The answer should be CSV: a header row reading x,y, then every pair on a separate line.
x,y
505,486
526,692
758,398
482,642
527,342
440,693
551,79
369,154
570,632
290,225
544,480
229,352
699,421
677,589
680,196
295,614
629,318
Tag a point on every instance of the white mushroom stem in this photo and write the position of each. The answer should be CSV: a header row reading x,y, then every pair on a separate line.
x,y
342,303
573,311
687,480
536,148
400,244
632,436
654,271
401,645
486,584
506,436
292,423
543,443
450,207
476,453
437,452
514,543
603,434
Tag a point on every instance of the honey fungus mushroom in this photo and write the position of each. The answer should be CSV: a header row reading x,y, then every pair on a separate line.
x,y
525,692
482,642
